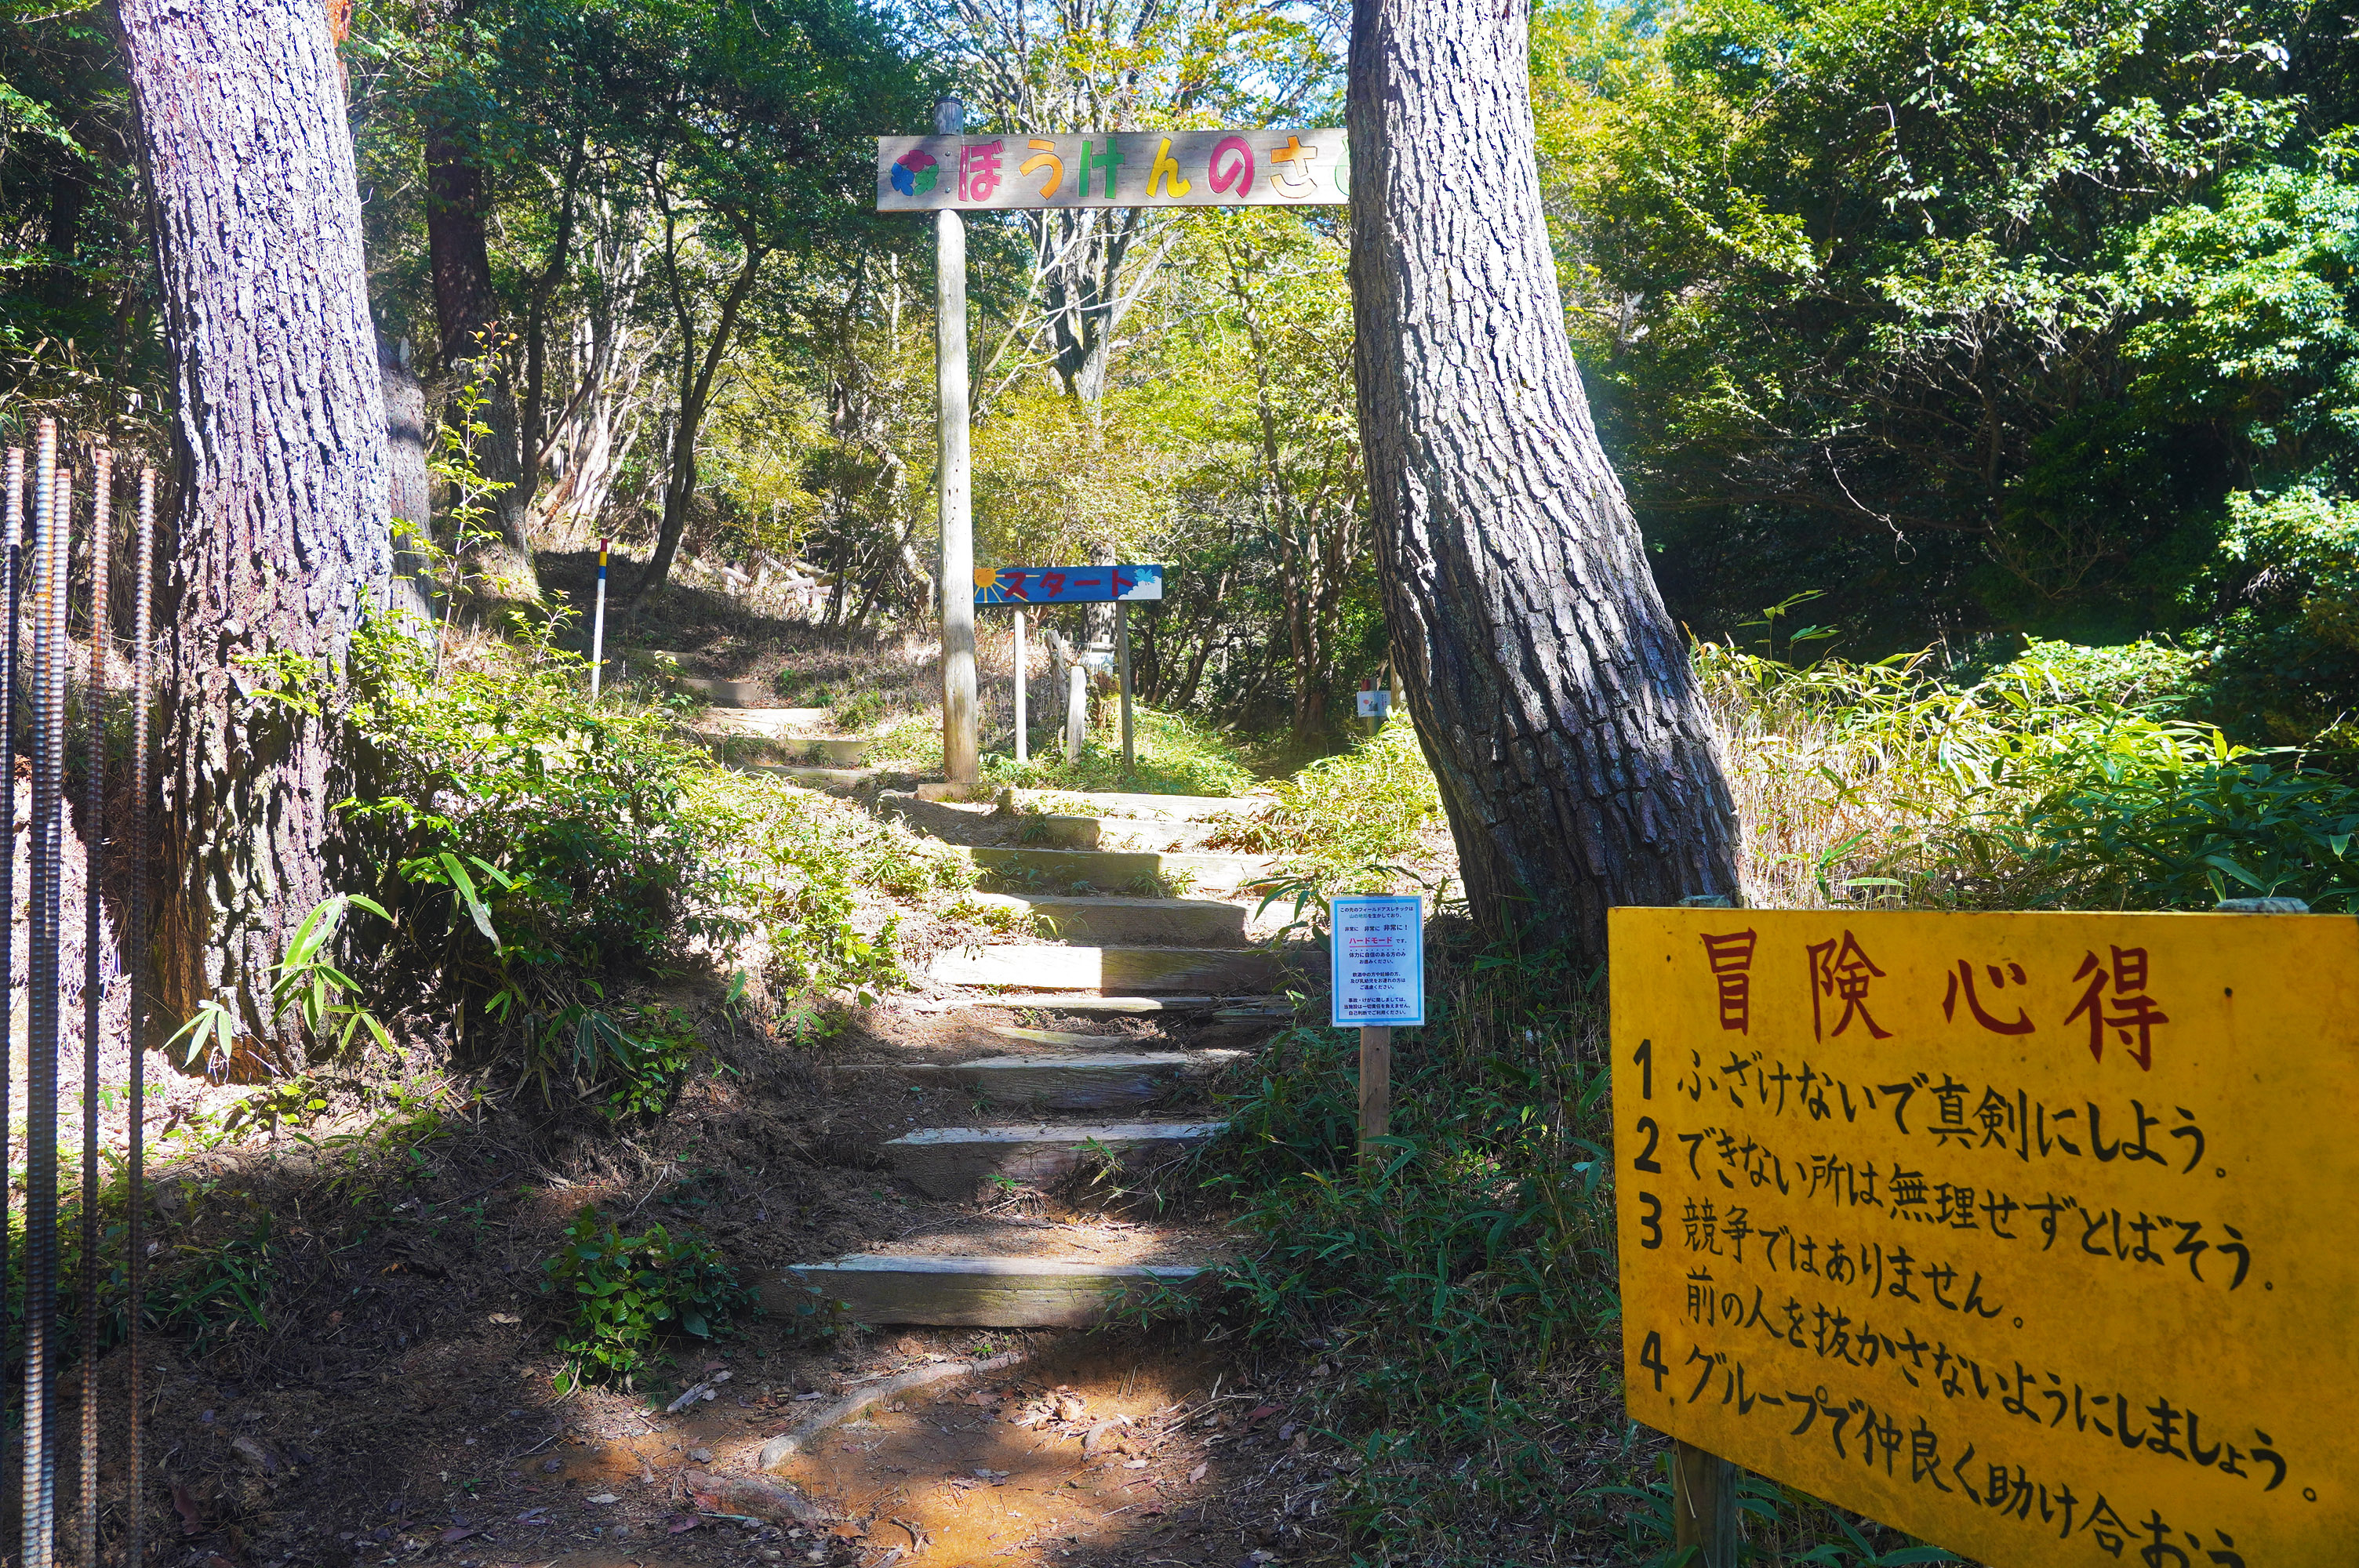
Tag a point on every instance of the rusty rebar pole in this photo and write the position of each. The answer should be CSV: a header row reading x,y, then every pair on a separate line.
x,y
52,529
13,541
135,953
93,989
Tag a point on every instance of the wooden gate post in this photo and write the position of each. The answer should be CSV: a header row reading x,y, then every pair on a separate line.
x,y
954,497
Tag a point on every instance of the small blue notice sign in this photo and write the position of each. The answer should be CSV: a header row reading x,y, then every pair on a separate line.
x,y
1378,961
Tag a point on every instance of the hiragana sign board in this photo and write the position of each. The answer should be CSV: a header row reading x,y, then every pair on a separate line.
x,y
2032,1235
1001,172
1067,585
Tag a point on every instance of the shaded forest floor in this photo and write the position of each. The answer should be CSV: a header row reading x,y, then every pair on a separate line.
x,y
356,1362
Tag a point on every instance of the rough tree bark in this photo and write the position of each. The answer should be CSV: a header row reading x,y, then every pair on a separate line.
x,y
1553,693
280,426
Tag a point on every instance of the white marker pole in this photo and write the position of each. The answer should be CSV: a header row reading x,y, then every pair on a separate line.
x,y
953,493
1023,740
598,626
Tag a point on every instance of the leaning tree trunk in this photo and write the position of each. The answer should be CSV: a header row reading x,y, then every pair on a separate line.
x,y
467,319
281,430
1552,694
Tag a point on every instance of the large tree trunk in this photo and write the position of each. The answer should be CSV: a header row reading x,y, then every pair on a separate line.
x,y
408,487
1553,694
467,319
281,430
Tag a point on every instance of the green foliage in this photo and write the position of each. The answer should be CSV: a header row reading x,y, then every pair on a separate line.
x,y
541,849
637,1069
1458,1286
857,710
2282,664
623,1295
2060,781
1354,823
1176,755
1973,313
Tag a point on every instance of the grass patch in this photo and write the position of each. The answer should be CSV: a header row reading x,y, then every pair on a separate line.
x,y
1364,821
1176,755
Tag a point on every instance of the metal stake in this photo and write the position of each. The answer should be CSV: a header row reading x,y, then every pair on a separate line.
x,y
598,626
101,541
52,529
135,949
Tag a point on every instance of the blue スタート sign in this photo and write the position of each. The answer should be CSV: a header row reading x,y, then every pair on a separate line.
x,y
1066,585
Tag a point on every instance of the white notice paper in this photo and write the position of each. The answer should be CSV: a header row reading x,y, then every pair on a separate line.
x,y
1378,953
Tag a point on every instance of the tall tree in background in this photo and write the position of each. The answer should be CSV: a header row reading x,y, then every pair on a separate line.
x,y
1552,694
281,433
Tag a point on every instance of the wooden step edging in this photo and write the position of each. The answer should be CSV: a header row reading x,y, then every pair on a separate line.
x,y
980,1293
1176,922
953,1162
1119,868
1103,1082
1054,1001
1117,971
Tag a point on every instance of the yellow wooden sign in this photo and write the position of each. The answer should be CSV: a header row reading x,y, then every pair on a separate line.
x,y
1998,1229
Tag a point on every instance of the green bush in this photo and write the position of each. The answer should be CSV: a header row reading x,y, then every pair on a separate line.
x,y
538,847
1353,823
623,1295
1462,1288
2062,781
857,710
2282,665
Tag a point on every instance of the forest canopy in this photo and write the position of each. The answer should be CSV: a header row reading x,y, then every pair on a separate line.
x,y
1953,320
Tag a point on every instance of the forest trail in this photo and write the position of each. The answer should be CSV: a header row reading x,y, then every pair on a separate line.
x,y
1054,1082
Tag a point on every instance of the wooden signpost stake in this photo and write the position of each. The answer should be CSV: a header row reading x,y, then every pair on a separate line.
x,y
953,498
1376,1086
1023,680
1377,969
1122,658
598,626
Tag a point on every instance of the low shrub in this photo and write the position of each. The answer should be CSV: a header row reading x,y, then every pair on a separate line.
x,y
623,1296
536,848
1361,822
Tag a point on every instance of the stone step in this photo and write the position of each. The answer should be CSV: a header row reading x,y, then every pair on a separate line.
x,y
1106,869
726,693
1110,1080
1111,971
1078,1002
981,1291
1158,835
1172,807
767,723
956,1161
832,780
1178,921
